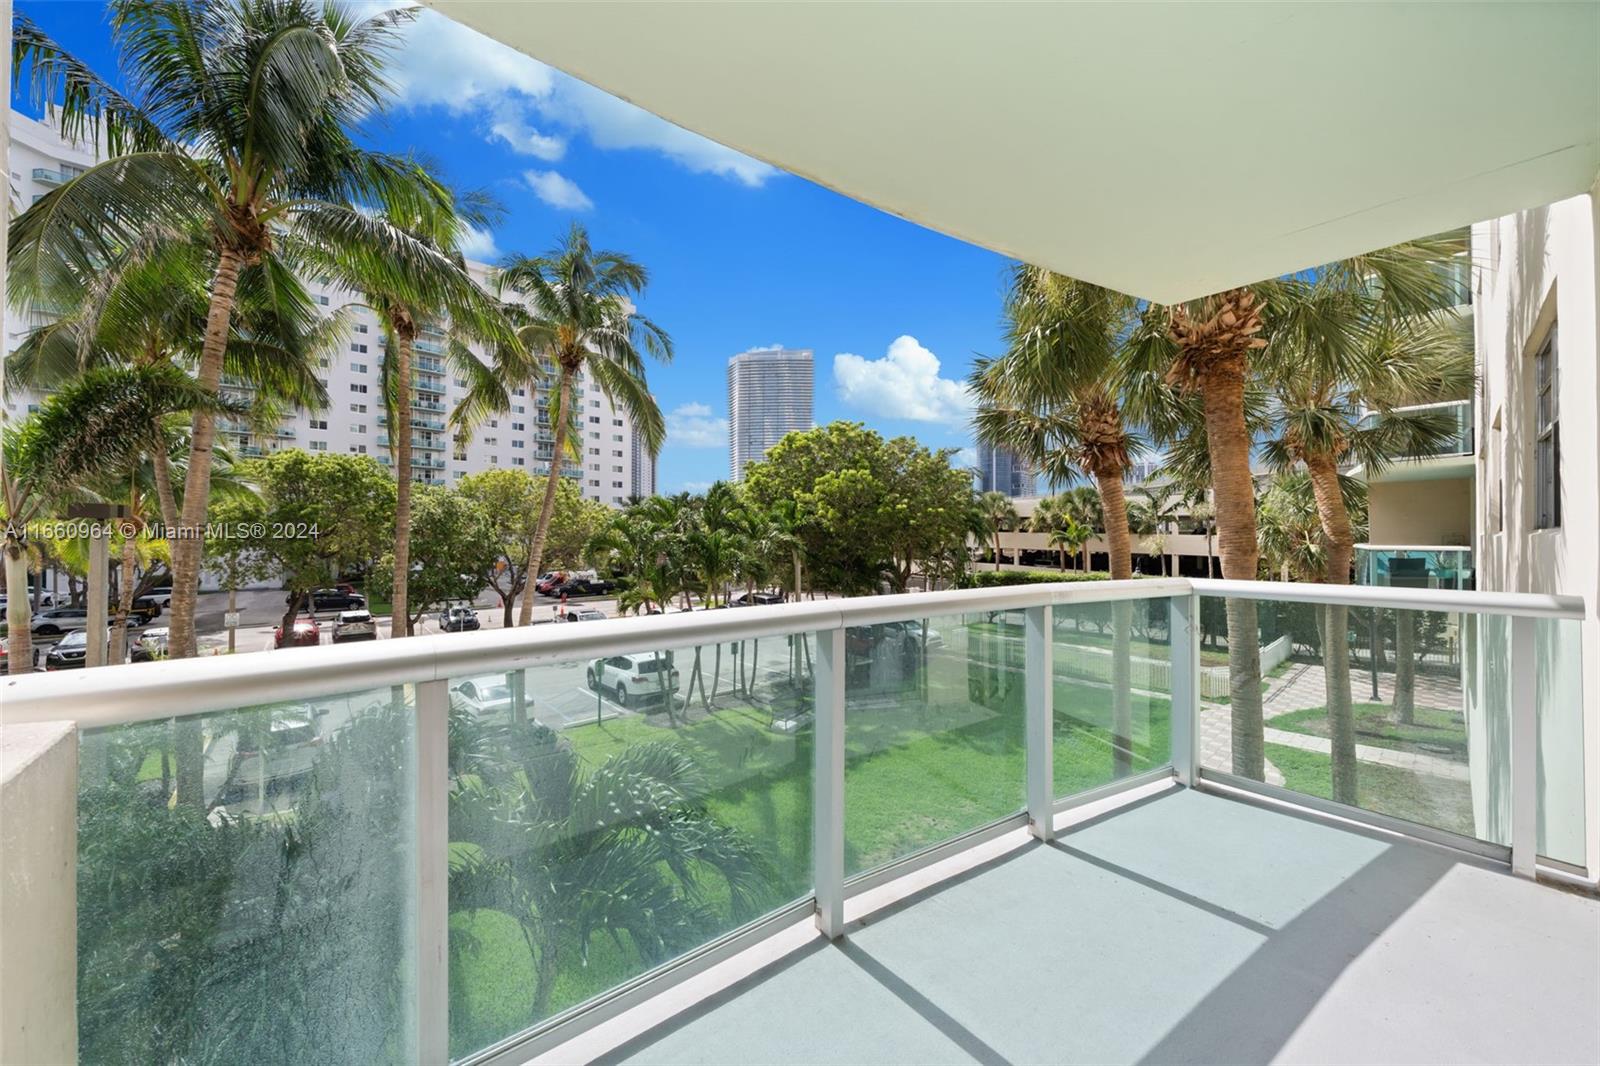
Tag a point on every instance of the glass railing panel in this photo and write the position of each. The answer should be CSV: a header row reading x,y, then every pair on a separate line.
x,y
1558,652
608,815
1112,691
245,885
1368,707
933,732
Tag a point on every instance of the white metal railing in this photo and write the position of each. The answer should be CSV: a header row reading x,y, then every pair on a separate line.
x,y
122,695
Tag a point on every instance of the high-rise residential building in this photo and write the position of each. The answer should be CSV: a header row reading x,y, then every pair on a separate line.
x,y
1003,470
644,467
519,438
769,395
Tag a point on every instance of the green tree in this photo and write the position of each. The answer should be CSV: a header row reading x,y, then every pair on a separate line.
x,y
236,134
96,427
998,512
510,500
1154,514
323,513
582,318
455,547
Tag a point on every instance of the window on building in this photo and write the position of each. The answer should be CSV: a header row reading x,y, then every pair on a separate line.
x,y
358,387
594,451
358,449
616,421
361,327
359,349
358,408
1547,442
519,444
595,419
319,423
359,368
319,445
358,427
519,426
517,460
322,300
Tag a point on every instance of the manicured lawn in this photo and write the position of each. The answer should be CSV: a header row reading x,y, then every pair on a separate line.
x,y
1091,638
1436,801
917,772
1434,731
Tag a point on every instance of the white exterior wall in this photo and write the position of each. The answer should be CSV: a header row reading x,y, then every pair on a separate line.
x,y
1533,270
350,423
769,395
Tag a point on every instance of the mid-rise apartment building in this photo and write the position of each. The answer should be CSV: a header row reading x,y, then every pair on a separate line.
x,y
769,395
608,453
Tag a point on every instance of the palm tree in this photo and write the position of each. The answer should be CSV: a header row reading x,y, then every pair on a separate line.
x,y
1067,538
435,286
98,426
623,850
583,319
1082,504
1055,397
1155,514
236,134
998,512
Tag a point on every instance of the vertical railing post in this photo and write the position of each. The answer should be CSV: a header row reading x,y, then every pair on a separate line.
x,y
1524,747
432,1011
827,853
1184,637
1040,716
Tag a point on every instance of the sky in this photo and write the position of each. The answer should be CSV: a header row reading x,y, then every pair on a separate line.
x,y
740,254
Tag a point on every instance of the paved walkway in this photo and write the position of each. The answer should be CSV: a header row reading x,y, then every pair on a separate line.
x,y
1302,687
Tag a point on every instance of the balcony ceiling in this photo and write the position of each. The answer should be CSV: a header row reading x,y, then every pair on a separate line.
x,y
1167,150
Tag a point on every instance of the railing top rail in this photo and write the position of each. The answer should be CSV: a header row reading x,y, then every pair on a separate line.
x,y
118,695
1507,603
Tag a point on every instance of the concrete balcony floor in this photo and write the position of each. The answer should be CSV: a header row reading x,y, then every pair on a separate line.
x,y
1183,927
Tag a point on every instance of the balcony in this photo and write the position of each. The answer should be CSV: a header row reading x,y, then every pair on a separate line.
x,y
428,384
419,404
433,366
420,443
434,424
1001,825
1457,413
46,176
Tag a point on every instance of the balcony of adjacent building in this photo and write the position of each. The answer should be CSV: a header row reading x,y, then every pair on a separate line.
x,y
930,820
419,442
434,424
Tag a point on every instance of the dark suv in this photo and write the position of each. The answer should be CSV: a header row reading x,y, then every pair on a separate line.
x,y
325,600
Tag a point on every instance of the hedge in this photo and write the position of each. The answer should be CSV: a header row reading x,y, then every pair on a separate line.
x,y
988,579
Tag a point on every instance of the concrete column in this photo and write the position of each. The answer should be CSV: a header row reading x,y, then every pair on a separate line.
x,y
39,893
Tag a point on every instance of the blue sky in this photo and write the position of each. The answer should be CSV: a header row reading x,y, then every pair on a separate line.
x,y
741,255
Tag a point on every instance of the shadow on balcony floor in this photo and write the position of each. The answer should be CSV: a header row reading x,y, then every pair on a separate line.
x,y
1184,928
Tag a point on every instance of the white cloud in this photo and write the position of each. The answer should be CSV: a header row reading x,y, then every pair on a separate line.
x,y
445,64
557,191
694,426
696,486
479,244
905,383
965,458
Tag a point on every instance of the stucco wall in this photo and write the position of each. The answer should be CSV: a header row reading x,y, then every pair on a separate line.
x,y
1533,270
1420,512
38,893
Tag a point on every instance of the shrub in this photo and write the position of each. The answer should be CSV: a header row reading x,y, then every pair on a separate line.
x,y
988,579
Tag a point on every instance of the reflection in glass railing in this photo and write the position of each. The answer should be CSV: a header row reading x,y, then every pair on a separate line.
x,y
244,885
1407,713
608,815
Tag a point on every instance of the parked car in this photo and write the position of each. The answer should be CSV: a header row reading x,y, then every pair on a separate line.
x,y
485,695
324,601
756,599
584,614
5,658
150,646
69,653
459,619
162,594
45,600
354,625
287,750
633,677
59,620
546,581
145,608
304,633
585,586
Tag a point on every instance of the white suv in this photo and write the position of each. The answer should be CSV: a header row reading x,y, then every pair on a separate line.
x,y
633,677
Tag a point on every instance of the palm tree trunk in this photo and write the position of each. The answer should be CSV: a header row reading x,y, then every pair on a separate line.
x,y
1405,666
186,551
164,495
1108,479
119,623
795,557
1339,541
1228,441
19,616
997,550
400,616
548,508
